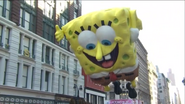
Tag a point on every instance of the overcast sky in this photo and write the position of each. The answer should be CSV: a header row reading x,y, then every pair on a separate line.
x,y
162,34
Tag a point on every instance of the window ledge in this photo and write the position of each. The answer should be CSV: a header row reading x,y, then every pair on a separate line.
x,y
62,70
48,66
26,90
28,58
4,50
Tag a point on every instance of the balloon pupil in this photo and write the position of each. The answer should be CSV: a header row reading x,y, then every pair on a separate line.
x,y
106,43
91,47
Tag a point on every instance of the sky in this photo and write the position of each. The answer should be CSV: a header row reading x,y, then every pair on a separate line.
x,y
162,34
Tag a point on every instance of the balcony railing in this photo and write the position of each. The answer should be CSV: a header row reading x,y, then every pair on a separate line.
x,y
76,72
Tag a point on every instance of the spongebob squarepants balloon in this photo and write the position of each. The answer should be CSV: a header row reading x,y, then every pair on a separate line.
x,y
103,42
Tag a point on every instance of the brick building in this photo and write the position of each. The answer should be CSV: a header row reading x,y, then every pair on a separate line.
x,y
35,68
94,93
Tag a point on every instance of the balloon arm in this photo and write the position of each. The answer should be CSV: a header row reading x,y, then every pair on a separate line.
x,y
59,33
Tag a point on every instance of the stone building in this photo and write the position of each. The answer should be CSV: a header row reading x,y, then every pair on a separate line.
x,y
142,88
153,83
34,66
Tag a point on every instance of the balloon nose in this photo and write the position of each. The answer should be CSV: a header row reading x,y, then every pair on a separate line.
x,y
99,52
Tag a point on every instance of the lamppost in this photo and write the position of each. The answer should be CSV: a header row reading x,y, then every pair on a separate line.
x,y
78,89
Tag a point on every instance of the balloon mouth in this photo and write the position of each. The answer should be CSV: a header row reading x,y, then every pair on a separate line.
x,y
107,61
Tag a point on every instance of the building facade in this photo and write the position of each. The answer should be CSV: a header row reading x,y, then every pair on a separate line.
x,y
33,64
171,77
142,88
153,83
158,94
94,93
174,93
163,89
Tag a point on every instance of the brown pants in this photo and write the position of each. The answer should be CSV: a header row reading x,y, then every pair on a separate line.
x,y
128,76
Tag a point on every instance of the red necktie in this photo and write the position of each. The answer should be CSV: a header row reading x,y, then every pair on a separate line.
x,y
113,76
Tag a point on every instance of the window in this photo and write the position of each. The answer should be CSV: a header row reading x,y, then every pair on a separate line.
x,y
53,57
48,29
20,42
26,43
32,80
75,1
47,55
25,76
49,8
42,53
64,43
27,17
160,91
33,49
5,8
5,71
1,34
112,95
100,100
17,76
93,99
75,13
63,61
48,23
87,97
75,64
63,20
30,2
60,56
4,35
47,80
106,97
41,74
59,84
75,89
67,63
7,38
26,46
52,84
63,84
62,6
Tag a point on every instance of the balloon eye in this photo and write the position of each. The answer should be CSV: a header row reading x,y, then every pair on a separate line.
x,y
106,42
90,46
